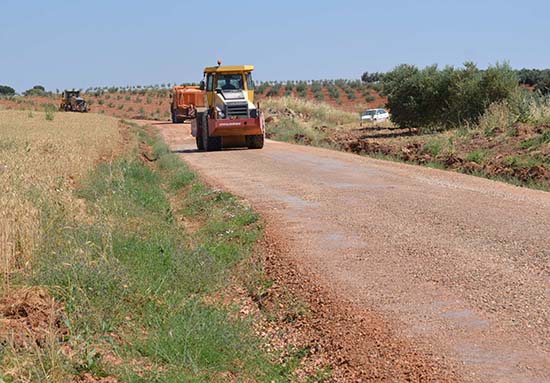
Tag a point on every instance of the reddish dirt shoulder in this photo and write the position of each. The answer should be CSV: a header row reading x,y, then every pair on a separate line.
x,y
359,345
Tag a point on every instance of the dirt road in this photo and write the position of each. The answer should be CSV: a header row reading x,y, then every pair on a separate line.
x,y
457,264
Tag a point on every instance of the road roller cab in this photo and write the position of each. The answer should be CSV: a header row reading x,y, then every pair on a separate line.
x,y
230,117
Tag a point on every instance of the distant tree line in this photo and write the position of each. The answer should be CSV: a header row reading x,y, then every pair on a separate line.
x,y
354,89
370,78
537,78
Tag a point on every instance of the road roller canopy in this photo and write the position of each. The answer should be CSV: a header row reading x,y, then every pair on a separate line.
x,y
229,69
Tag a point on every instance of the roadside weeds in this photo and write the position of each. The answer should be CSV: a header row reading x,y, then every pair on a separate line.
x,y
132,285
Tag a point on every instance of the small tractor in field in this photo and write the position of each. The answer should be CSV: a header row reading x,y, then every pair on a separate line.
x,y
229,118
185,101
72,102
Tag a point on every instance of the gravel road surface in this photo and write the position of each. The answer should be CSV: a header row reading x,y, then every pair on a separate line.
x,y
456,263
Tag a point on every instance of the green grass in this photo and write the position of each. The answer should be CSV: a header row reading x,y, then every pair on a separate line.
x,y
523,161
535,142
133,279
478,156
531,184
433,147
435,165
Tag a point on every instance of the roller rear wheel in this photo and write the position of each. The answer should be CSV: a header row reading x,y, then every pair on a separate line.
x,y
211,144
255,142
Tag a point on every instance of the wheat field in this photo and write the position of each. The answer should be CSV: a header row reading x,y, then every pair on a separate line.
x,y
40,160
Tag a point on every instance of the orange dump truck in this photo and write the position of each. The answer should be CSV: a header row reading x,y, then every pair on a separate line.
x,y
185,101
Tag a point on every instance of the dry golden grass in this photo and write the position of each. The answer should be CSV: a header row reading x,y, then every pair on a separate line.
x,y
40,162
41,159
320,111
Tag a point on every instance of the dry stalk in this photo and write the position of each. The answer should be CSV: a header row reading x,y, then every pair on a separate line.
x,y
7,251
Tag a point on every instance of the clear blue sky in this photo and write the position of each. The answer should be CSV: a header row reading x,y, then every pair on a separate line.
x,y
79,43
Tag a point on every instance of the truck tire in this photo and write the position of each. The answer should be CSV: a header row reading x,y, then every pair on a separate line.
x,y
198,136
211,144
200,144
255,142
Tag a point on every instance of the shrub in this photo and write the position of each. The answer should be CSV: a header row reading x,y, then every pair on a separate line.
x,y
523,106
37,90
431,97
356,84
376,87
50,112
432,147
316,87
340,83
369,97
497,116
372,77
260,89
350,93
301,88
543,86
274,91
6,90
477,156
333,92
533,77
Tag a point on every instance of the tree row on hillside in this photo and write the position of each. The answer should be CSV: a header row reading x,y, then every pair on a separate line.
x,y
353,89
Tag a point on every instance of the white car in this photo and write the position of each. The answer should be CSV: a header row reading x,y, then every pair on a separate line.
x,y
373,115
